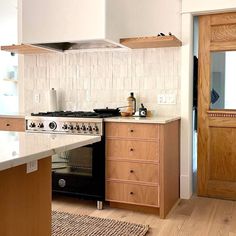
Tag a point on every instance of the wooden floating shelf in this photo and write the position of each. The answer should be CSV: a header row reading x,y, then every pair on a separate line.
x,y
151,42
24,49
10,80
134,43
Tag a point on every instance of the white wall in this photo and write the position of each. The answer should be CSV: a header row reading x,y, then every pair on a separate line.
x,y
88,80
60,20
8,21
135,18
207,6
8,35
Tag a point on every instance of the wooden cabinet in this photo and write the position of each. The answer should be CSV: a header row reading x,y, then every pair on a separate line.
x,y
12,124
142,165
133,193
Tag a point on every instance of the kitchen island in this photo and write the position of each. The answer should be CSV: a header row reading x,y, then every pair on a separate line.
x,y
25,198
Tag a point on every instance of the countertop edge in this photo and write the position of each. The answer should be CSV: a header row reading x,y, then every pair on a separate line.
x,y
148,120
22,116
14,162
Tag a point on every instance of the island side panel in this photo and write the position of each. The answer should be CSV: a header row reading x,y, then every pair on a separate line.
x,y
25,200
169,166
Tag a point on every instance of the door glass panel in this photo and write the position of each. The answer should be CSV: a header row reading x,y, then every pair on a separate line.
x,y
223,80
78,161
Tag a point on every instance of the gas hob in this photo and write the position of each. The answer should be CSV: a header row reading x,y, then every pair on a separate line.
x,y
81,114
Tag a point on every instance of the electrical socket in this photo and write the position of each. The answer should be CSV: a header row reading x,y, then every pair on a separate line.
x,y
166,99
37,98
161,99
31,166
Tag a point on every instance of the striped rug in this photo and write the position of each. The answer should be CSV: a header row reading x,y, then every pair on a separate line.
x,y
66,224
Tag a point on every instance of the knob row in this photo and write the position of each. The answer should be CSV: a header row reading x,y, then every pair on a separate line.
x,y
78,127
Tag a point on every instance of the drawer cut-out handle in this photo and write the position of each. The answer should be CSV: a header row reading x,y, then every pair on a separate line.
x,y
7,124
131,149
131,130
131,171
131,193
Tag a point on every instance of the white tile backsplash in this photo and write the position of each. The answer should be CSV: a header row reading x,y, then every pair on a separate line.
x,y
87,80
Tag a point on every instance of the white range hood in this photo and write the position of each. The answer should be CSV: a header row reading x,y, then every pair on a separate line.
x,y
82,24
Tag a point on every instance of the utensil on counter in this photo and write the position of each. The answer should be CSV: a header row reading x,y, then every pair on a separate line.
x,y
142,111
114,111
125,113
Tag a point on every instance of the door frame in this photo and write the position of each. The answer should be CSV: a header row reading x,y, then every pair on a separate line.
x,y
188,12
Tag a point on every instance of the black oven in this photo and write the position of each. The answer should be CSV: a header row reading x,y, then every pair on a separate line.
x,y
81,172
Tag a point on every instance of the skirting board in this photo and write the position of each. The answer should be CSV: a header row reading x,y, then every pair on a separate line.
x,y
185,187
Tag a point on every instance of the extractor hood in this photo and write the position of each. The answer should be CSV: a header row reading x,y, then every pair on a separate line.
x,y
90,24
78,45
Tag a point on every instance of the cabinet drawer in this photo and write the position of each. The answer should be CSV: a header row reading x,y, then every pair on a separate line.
x,y
132,193
12,124
124,170
131,130
132,150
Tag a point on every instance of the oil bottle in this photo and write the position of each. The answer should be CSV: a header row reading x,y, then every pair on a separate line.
x,y
131,104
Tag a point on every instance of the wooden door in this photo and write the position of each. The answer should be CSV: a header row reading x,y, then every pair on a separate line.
x,y
217,127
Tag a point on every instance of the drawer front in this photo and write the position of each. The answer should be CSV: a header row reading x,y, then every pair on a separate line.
x,y
12,124
131,193
124,170
131,130
132,150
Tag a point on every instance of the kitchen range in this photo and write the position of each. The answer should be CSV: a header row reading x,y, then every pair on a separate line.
x,y
80,171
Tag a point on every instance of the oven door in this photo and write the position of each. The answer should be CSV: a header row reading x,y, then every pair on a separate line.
x,y
80,171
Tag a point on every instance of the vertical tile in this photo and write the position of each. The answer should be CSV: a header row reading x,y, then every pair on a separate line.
x,y
87,79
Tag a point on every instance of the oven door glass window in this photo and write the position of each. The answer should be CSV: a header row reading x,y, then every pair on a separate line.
x,y
78,161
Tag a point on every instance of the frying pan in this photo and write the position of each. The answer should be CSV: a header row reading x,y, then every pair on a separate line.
x,y
114,111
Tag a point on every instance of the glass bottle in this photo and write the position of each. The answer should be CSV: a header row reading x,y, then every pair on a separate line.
x,y
131,103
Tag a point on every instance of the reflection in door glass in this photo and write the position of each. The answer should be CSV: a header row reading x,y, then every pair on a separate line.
x,y
223,80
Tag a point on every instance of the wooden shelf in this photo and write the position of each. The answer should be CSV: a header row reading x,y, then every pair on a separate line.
x,y
151,42
25,49
140,42
10,80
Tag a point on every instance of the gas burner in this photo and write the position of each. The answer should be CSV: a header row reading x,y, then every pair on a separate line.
x,y
80,114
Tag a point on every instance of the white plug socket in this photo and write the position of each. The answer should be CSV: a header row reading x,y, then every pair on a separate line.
x,y
37,98
31,166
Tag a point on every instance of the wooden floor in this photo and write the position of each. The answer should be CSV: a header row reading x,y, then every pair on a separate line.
x,y
198,216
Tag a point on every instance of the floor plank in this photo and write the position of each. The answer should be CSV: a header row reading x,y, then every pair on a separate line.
x,y
196,217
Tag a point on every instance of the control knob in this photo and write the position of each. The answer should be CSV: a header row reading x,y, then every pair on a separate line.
x,y
70,127
62,183
52,125
95,128
64,126
83,127
77,127
89,128
40,125
32,125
